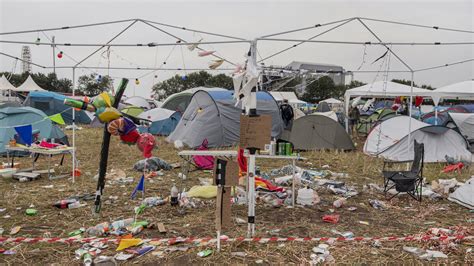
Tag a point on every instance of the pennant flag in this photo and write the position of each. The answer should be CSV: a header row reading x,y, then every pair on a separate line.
x,y
58,119
216,64
140,187
205,53
25,133
128,242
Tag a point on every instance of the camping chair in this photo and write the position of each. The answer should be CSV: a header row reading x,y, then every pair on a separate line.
x,y
411,181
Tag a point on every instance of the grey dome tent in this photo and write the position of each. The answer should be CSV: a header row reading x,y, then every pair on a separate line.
x,y
318,132
179,101
212,115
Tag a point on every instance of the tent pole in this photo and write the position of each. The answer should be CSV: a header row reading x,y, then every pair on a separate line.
x,y
409,112
73,127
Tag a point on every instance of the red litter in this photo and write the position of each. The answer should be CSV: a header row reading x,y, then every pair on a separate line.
x,y
332,218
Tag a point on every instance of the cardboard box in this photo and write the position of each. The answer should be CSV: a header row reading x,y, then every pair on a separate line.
x,y
231,173
223,208
255,131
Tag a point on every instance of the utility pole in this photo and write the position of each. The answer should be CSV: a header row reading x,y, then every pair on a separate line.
x,y
54,55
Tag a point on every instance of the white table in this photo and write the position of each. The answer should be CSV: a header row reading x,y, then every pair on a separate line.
x,y
36,150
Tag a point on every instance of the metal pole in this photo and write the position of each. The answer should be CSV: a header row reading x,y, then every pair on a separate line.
x,y
54,57
409,110
252,111
73,127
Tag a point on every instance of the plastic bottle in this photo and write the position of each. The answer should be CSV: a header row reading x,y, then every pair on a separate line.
x,y
121,223
339,202
87,259
174,195
98,230
154,201
64,204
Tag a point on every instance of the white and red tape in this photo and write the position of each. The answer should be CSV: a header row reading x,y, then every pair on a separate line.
x,y
210,240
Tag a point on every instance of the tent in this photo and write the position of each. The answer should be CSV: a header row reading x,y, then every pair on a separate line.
x,y
179,101
28,86
382,89
332,101
464,194
53,103
133,111
317,132
213,115
439,141
18,116
323,107
137,101
464,122
388,133
5,85
368,121
390,140
164,121
330,114
461,90
279,96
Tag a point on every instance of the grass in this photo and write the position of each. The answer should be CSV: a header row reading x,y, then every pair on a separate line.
x,y
404,216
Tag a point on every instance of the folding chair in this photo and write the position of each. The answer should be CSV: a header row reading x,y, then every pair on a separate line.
x,y
410,182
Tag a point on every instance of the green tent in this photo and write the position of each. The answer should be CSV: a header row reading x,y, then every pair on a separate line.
x,y
368,121
132,111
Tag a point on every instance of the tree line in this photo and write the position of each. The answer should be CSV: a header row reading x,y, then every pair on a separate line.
x,y
315,89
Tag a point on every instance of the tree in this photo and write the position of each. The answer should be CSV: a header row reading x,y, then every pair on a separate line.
x,y
320,89
408,83
90,85
179,83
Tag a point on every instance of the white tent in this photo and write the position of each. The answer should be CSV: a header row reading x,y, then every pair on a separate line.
x,y
464,195
389,132
461,90
382,89
5,85
156,114
465,123
332,101
28,85
137,101
279,96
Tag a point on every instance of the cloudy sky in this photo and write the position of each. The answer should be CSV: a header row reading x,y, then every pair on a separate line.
x,y
245,19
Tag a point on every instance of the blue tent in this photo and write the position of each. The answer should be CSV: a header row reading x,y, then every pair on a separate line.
x,y
163,121
52,103
10,117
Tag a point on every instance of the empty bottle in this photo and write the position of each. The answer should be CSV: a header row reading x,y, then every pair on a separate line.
x,y
98,230
174,195
121,223
154,201
65,204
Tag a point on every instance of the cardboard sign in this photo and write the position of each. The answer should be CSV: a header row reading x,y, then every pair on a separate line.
x,y
223,210
231,172
255,131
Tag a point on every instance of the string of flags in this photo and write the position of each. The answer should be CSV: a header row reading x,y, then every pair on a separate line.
x,y
56,118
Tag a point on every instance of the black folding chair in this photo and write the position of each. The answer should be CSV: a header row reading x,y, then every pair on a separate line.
x,y
410,182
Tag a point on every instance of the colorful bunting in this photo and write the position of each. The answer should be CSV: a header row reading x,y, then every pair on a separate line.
x,y
25,133
216,64
205,53
191,47
57,118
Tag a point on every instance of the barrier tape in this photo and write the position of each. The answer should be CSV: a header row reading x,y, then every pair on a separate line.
x,y
210,240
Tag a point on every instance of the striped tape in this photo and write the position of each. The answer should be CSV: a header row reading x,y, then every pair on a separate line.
x,y
210,240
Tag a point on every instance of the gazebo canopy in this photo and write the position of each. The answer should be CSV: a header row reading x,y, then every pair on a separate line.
x,y
28,86
5,85
461,90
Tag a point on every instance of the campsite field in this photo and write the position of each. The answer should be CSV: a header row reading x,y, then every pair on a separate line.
x,y
402,217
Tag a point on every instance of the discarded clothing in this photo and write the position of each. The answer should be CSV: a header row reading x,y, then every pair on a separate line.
x,y
152,164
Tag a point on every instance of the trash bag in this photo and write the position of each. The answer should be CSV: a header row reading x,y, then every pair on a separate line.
x,y
152,164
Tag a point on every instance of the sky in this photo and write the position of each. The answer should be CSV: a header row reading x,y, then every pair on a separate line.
x,y
244,19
